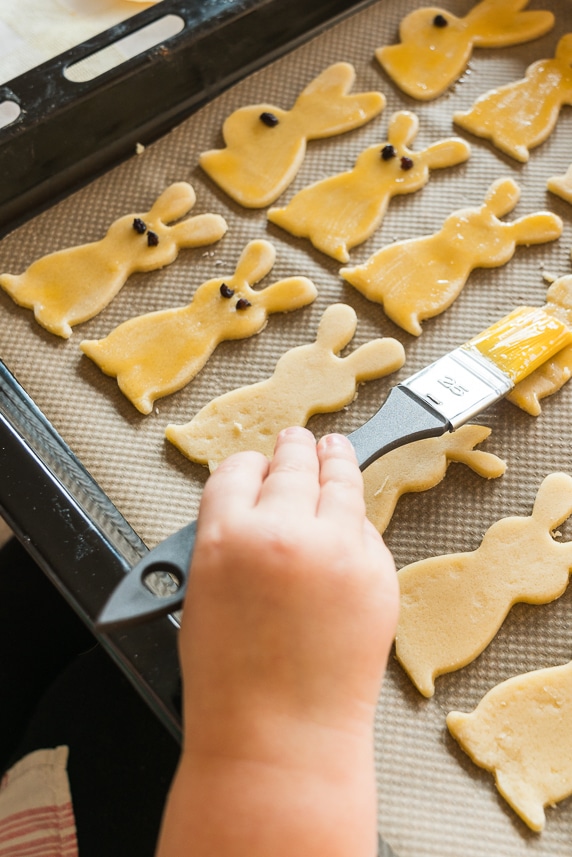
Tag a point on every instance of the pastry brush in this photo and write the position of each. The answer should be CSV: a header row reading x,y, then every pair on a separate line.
x,y
440,398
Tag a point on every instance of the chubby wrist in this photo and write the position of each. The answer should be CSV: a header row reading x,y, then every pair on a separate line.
x,y
280,805
301,741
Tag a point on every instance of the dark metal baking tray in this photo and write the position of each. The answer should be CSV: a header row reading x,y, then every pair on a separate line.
x,y
68,133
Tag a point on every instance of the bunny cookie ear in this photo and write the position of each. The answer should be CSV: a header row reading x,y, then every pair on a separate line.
x,y
403,127
256,260
564,49
460,446
174,202
502,196
553,504
498,23
325,108
336,328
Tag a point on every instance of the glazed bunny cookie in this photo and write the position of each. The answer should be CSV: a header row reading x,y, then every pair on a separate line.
x,y
421,277
521,731
562,185
552,375
522,115
340,212
518,560
73,285
421,465
436,45
157,354
265,145
307,380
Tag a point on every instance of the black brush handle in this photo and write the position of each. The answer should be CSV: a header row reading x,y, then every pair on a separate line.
x,y
403,418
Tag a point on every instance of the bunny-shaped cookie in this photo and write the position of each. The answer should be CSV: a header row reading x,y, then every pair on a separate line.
x,y
307,380
452,606
75,284
553,374
521,731
421,277
522,115
435,45
160,352
265,145
340,212
421,465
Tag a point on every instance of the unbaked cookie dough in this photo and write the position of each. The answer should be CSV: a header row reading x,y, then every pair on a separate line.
x,y
452,606
339,212
307,380
522,115
156,354
436,45
562,185
521,731
421,465
554,373
421,277
73,285
265,145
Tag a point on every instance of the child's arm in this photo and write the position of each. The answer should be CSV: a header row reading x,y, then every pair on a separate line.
x,y
290,614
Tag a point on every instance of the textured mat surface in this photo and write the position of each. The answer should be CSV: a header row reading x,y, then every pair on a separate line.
x,y
433,801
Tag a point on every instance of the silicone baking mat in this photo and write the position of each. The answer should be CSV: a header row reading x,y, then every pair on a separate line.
x,y
433,800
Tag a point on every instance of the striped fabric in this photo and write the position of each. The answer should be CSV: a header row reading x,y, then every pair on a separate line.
x,y
36,813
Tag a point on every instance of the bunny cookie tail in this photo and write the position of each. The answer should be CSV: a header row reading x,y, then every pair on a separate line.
x,y
182,436
23,294
475,734
11,284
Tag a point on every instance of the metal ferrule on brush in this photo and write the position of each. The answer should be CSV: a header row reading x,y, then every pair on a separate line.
x,y
460,385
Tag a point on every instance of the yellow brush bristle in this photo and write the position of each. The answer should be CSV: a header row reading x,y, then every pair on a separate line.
x,y
522,341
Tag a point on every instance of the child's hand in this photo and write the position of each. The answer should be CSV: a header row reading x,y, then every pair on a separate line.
x,y
290,613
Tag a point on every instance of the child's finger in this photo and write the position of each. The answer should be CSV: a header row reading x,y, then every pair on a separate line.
x,y
341,493
293,476
234,485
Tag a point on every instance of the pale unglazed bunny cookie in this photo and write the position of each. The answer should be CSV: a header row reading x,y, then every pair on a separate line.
x,y
522,115
562,185
307,380
521,731
437,45
156,354
344,210
518,560
421,465
73,285
552,375
421,277
265,145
